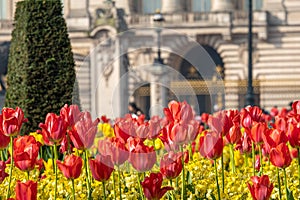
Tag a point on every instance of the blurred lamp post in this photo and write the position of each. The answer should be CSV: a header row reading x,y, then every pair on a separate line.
x,y
250,95
158,91
158,20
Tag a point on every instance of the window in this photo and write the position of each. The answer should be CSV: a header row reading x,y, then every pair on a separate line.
x,y
151,6
257,4
3,8
201,5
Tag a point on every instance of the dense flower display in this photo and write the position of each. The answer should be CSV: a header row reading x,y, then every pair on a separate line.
x,y
230,154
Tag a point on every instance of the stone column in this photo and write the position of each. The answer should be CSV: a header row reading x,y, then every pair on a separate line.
x,y
66,8
274,5
171,6
124,4
158,91
222,5
292,11
10,14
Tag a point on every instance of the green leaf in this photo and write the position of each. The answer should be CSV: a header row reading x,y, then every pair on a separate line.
x,y
290,195
213,196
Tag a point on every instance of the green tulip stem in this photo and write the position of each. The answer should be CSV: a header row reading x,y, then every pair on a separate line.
x,y
223,182
153,143
217,182
88,186
253,158
140,186
298,150
182,175
119,182
55,169
260,159
232,158
278,180
114,185
246,159
28,175
103,190
190,152
285,184
73,188
2,157
11,166
171,184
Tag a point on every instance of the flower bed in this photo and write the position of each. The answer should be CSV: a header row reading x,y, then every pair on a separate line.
x,y
228,155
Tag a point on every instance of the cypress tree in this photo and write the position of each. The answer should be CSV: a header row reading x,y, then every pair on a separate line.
x,y
41,72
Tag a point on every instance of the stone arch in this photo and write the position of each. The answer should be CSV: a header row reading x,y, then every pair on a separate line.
x,y
99,30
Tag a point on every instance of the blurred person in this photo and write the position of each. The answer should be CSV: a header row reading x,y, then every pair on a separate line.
x,y
134,110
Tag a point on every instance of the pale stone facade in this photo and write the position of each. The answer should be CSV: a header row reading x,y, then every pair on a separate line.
x,y
113,46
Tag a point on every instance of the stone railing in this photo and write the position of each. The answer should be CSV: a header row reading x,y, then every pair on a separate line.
x,y
180,18
6,24
241,17
205,18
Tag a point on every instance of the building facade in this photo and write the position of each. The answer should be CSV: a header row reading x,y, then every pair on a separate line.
x,y
203,45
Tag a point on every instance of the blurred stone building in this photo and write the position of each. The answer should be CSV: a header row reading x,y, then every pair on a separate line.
x,y
116,43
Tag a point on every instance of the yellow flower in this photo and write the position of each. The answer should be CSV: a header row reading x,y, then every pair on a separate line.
x,y
158,144
38,137
106,129
49,165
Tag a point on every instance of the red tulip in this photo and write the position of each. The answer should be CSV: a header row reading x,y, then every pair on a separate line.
x,y
141,157
152,186
171,165
221,122
154,127
84,131
177,111
4,140
3,174
280,156
104,119
193,130
257,162
234,135
26,150
12,120
261,187
204,118
296,107
26,191
71,114
274,111
293,135
257,132
119,152
234,116
165,138
179,133
124,129
249,115
54,129
280,123
142,131
101,167
65,144
71,167
183,133
245,144
211,145
273,138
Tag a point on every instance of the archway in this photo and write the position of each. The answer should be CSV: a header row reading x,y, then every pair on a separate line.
x,y
208,86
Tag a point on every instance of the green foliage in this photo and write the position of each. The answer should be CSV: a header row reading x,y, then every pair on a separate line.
x,y
41,72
